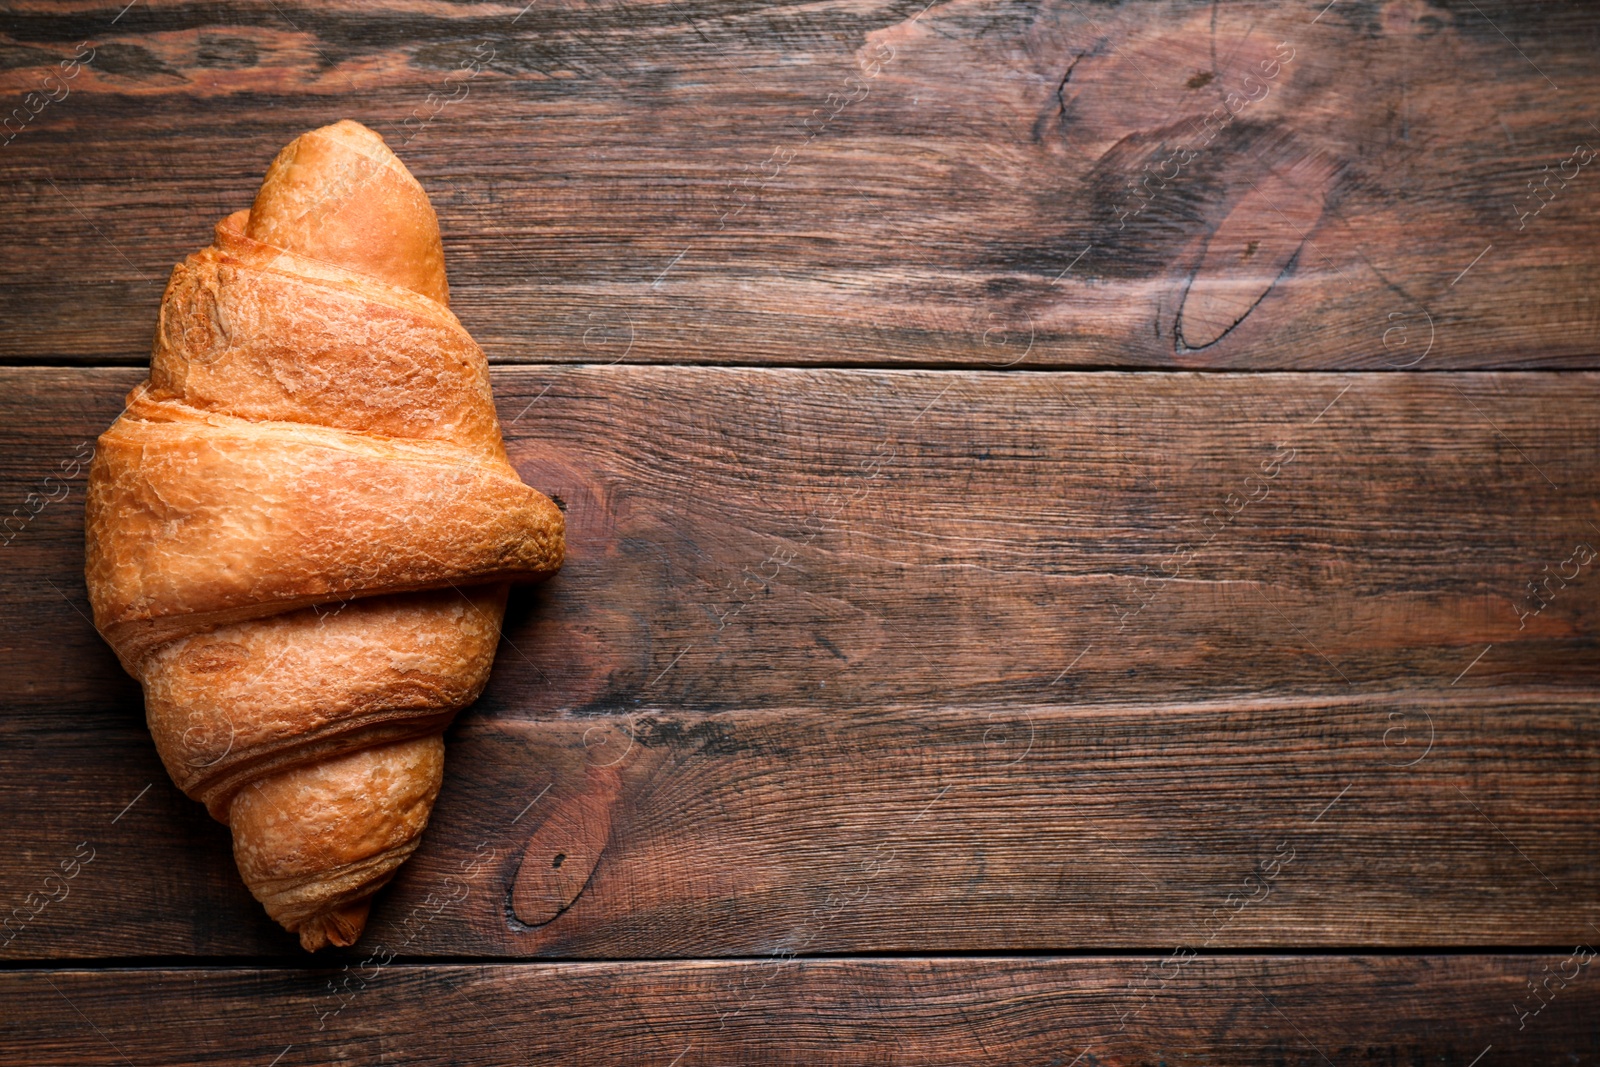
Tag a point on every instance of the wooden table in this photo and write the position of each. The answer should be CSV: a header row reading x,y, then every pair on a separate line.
x,y
1080,523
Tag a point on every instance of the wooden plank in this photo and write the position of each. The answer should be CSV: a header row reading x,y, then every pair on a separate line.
x,y
1245,1010
778,539
977,183
1411,822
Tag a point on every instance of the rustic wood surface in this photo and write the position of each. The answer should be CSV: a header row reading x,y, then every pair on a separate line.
x,y
1021,829
745,538
1007,715
1306,1012
923,608
975,182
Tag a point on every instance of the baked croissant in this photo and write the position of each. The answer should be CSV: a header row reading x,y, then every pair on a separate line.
x,y
302,528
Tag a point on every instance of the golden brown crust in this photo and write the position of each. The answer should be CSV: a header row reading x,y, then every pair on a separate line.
x,y
340,196
241,701
205,516
270,343
315,839
301,531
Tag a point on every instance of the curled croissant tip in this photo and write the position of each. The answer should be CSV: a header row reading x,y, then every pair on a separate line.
x,y
337,926
352,133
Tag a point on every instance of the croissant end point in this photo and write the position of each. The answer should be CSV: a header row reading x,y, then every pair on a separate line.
x,y
339,195
339,926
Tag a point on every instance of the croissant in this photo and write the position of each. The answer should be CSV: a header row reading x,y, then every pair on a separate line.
x,y
302,528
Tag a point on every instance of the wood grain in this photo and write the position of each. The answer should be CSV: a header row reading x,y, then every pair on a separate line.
x,y
1248,1010
865,647
768,671
751,539
1409,823
1022,183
